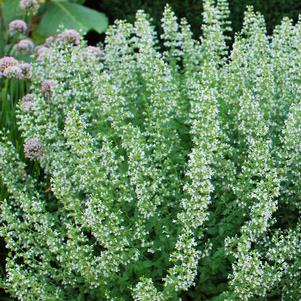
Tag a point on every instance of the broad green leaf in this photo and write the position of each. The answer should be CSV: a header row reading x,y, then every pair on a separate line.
x,y
71,15
11,11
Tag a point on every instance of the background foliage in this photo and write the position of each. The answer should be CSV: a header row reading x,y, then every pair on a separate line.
x,y
273,10
53,14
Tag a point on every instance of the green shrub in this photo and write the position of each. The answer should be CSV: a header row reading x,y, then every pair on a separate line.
x,y
165,175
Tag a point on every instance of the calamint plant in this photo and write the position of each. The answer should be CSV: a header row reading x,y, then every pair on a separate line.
x,y
158,174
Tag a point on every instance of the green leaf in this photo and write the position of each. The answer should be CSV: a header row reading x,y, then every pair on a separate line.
x,y
11,11
37,37
71,16
78,1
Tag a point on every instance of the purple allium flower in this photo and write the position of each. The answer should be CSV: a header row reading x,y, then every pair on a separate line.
x,y
31,6
17,26
33,148
13,72
27,103
92,51
47,87
26,70
7,61
70,36
42,53
50,40
25,45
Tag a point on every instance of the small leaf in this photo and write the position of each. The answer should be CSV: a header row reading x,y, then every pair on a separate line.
x,y
72,16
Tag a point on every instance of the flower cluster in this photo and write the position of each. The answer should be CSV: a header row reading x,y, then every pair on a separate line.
x,y
32,148
18,26
163,173
42,53
11,68
27,102
30,6
7,62
67,37
24,46
47,87
70,36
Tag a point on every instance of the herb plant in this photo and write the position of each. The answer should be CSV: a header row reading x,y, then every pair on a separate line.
x,y
159,174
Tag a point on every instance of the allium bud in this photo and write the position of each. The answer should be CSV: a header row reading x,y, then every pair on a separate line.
x,y
13,72
30,6
17,26
26,70
7,61
69,36
24,46
27,103
33,148
47,87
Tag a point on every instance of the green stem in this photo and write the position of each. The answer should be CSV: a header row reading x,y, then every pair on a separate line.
x,y
10,110
12,44
4,103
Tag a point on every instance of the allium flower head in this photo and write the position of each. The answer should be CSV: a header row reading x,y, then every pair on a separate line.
x,y
30,6
50,40
25,45
92,51
17,26
27,103
47,87
69,36
26,70
13,72
42,53
33,148
7,61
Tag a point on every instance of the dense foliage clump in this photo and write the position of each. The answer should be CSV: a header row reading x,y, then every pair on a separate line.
x,y
159,175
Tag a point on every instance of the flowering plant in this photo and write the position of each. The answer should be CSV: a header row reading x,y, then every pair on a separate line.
x,y
21,22
164,174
